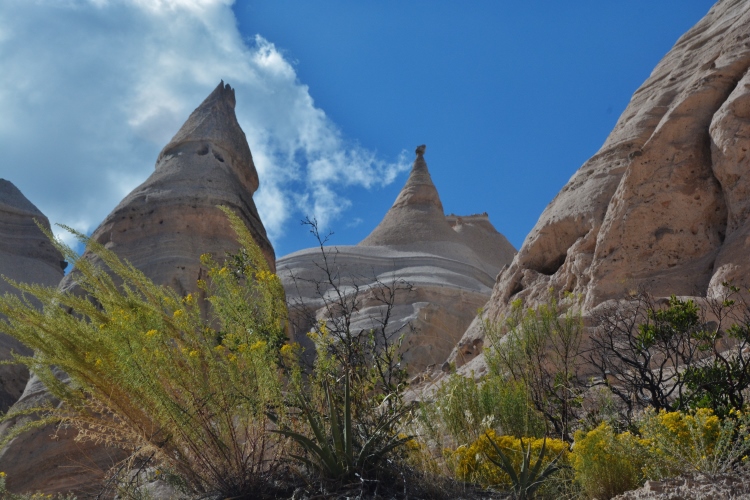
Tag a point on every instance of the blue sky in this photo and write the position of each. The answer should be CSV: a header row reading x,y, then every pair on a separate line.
x,y
510,98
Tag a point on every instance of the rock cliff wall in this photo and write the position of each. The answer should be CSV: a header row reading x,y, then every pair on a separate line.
x,y
662,206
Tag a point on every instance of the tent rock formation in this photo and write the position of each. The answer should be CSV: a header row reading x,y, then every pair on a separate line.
x,y
162,228
450,261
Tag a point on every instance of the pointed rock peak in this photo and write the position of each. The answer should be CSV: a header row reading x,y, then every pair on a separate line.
x,y
12,200
419,191
222,95
416,215
213,128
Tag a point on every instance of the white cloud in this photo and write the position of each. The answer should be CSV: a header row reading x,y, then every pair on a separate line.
x,y
92,89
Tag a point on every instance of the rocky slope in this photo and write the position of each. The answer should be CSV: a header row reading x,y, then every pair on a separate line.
x,y
27,256
451,263
162,227
663,204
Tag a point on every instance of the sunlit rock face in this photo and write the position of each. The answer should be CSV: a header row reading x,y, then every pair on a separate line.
x,y
162,228
663,206
450,261
26,256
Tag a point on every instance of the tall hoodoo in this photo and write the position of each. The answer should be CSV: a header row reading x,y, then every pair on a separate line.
x,y
416,215
416,222
451,261
162,227
169,220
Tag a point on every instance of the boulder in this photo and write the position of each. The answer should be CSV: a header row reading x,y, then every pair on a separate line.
x,y
162,227
449,261
26,256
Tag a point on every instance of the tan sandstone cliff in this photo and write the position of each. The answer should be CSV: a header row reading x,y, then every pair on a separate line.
x,y
663,205
162,227
26,256
450,261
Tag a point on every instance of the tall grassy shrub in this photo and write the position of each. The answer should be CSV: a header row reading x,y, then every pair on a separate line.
x,y
464,409
150,372
540,349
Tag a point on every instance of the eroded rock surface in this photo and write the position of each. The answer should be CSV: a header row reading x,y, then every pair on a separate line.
x,y
26,256
451,262
162,228
663,205
734,486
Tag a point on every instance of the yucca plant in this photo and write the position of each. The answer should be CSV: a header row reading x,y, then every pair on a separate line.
x,y
339,448
350,402
528,479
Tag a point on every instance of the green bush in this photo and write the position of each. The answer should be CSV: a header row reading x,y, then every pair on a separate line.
x,y
540,348
637,344
152,373
465,408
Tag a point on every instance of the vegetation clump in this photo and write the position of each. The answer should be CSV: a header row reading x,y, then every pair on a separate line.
x,y
207,389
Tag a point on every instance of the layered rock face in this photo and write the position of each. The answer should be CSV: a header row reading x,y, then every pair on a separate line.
x,y
26,256
451,263
162,228
663,205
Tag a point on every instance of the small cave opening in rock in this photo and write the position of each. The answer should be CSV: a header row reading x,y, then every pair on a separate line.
x,y
517,288
218,157
551,266
203,150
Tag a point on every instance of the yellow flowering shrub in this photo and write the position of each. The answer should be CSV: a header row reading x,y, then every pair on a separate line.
x,y
694,441
671,443
470,462
607,464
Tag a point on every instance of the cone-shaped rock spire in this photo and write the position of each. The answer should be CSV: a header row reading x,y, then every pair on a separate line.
x,y
451,261
214,123
166,223
416,215
162,227
416,222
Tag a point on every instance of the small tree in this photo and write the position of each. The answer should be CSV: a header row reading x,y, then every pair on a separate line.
x,y
540,348
669,356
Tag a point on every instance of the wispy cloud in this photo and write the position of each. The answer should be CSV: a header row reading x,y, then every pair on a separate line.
x,y
92,89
